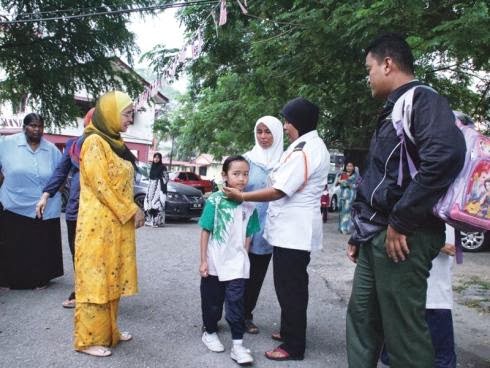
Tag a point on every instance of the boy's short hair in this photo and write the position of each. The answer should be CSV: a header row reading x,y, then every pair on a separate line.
x,y
392,45
230,159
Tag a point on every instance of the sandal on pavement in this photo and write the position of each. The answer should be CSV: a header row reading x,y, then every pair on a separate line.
x,y
69,303
96,351
280,354
250,327
125,336
277,336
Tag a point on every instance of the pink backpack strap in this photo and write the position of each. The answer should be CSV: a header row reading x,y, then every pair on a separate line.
x,y
459,247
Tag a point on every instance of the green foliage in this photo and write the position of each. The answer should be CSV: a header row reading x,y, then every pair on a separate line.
x,y
254,64
51,60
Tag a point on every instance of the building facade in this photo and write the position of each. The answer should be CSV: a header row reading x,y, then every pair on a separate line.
x,y
139,136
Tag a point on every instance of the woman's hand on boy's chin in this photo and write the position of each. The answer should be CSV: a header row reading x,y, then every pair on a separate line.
x,y
233,193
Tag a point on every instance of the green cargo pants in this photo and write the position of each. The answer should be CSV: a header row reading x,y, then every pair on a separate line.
x,y
387,304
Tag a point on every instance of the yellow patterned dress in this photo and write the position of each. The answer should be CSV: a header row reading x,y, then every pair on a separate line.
x,y
105,255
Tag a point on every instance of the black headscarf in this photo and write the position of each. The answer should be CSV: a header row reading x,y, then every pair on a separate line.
x,y
302,114
157,169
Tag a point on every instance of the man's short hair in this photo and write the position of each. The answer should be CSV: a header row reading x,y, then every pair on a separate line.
x,y
392,45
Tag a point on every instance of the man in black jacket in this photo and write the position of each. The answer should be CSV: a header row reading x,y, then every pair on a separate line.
x,y
396,235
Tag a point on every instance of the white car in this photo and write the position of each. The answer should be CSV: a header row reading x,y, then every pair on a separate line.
x,y
334,191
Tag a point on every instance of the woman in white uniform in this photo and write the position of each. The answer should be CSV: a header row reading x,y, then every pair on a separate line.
x,y
293,225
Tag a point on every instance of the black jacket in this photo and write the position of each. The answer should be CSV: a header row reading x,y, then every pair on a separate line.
x,y
438,154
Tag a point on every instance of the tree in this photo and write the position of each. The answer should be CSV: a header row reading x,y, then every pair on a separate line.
x,y
48,61
252,65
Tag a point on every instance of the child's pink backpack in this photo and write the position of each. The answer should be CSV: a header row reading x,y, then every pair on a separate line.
x,y
466,205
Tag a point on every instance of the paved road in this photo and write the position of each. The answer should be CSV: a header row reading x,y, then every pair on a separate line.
x,y
165,316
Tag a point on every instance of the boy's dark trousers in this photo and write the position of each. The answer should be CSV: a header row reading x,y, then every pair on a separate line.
x,y
291,283
213,294
440,323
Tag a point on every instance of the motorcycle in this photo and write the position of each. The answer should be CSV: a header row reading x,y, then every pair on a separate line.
x,y
325,204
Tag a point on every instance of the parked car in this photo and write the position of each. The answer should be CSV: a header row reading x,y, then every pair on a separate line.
x,y
334,191
475,241
192,179
183,201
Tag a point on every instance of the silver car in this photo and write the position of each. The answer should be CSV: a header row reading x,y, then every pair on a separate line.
x,y
475,241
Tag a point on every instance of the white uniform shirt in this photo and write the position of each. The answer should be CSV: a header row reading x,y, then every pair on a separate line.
x,y
294,221
439,283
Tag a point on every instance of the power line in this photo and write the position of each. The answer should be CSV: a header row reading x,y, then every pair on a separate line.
x,y
69,10
110,12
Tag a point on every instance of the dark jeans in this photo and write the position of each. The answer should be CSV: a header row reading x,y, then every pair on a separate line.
x,y
259,263
213,294
387,304
440,322
291,283
71,229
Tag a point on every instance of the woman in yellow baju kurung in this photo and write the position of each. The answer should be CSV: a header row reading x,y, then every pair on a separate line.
x,y
105,257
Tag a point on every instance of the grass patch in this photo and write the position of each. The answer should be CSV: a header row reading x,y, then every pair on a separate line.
x,y
475,303
473,281
477,284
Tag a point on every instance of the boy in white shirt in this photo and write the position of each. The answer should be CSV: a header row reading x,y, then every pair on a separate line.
x,y
227,227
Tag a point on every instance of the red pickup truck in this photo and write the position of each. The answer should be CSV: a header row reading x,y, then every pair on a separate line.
x,y
192,179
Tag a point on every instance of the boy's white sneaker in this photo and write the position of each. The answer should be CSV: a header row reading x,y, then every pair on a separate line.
x,y
212,342
241,355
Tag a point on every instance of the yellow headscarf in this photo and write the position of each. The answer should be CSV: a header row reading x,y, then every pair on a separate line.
x,y
106,122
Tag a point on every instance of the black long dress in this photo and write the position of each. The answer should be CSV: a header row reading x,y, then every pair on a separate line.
x,y
30,251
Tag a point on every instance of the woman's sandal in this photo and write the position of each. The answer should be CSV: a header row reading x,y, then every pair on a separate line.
x,y
250,327
69,303
281,354
277,336
125,336
96,351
